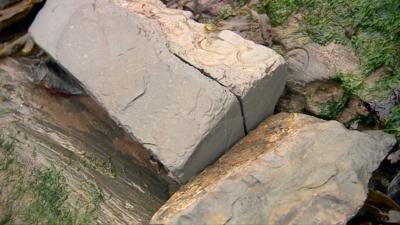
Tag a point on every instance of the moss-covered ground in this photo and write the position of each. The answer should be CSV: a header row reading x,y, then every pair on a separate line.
x,y
370,27
40,195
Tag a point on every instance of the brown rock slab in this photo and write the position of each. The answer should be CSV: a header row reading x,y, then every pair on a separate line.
x,y
293,169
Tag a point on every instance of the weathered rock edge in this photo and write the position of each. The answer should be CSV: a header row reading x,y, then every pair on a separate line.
x,y
293,169
254,73
185,119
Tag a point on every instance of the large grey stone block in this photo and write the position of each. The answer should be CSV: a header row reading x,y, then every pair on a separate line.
x,y
293,169
186,93
254,73
183,118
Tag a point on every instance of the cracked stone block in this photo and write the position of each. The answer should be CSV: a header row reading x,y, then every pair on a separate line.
x,y
252,72
185,119
292,169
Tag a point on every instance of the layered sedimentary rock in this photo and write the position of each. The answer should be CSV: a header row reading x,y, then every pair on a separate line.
x,y
184,93
293,169
72,138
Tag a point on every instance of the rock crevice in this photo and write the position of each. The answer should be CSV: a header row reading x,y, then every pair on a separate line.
x,y
248,70
215,80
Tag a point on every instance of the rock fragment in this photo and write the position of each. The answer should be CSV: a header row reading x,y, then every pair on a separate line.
x,y
308,61
293,169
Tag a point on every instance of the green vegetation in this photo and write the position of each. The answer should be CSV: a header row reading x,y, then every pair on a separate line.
x,y
50,191
7,150
4,111
96,195
225,12
360,119
331,109
49,203
41,195
239,3
6,219
4,97
372,27
351,83
383,88
392,123
279,10
104,167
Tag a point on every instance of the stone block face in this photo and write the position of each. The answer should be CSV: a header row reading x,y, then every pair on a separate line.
x,y
292,169
254,73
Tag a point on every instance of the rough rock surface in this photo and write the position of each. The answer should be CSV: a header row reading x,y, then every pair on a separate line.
x,y
322,62
51,76
74,135
4,3
355,108
185,119
254,73
381,103
308,61
204,7
293,169
321,94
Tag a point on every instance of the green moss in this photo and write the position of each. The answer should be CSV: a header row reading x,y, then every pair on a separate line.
x,y
331,109
4,97
225,12
360,119
4,111
351,83
376,26
376,41
7,150
50,191
392,123
42,196
376,50
96,194
6,220
104,167
279,10
239,3
49,205
384,87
